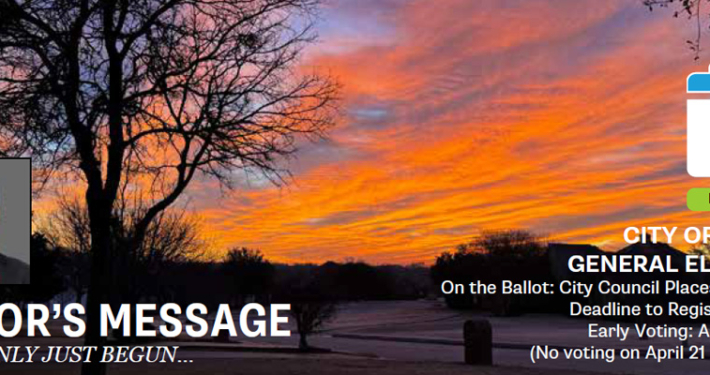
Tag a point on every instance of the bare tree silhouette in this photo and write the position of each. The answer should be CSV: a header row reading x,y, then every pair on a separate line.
x,y
311,316
171,237
692,9
144,95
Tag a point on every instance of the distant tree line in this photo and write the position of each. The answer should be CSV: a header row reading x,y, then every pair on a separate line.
x,y
516,255
492,257
242,276
171,266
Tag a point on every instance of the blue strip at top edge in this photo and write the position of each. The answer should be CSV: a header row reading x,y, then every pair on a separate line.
x,y
699,82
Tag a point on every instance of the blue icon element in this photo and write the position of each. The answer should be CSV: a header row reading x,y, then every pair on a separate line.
x,y
699,82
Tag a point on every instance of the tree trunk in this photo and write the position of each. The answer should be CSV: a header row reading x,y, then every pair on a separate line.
x,y
99,286
79,295
302,343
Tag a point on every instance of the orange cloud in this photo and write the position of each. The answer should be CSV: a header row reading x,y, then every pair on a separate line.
x,y
566,118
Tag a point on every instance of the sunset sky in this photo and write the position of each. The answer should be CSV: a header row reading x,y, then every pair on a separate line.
x,y
563,117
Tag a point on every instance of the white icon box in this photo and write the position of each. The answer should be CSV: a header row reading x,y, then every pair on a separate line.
x,y
698,134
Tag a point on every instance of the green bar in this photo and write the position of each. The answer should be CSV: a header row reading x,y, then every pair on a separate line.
x,y
699,199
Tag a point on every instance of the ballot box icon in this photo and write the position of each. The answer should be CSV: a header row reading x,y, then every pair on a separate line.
x,y
698,131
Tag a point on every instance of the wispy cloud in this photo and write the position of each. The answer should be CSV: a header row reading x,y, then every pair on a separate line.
x,y
564,117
